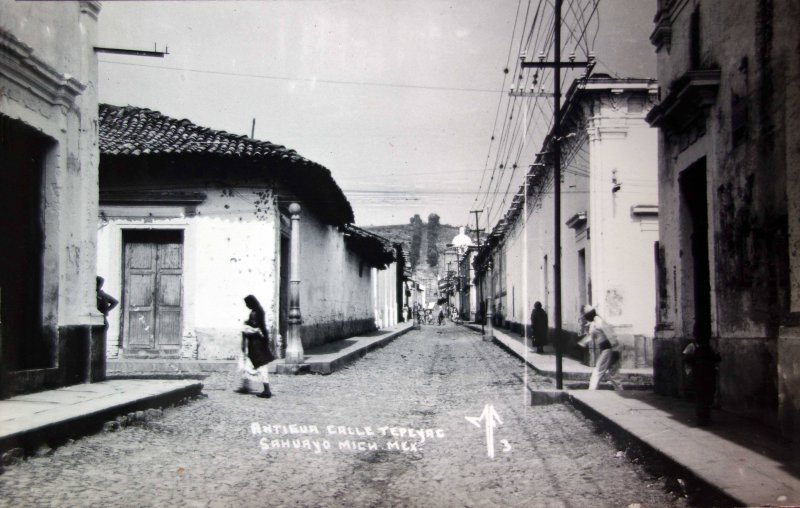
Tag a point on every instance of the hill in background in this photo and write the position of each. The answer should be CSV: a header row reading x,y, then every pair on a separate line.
x,y
416,237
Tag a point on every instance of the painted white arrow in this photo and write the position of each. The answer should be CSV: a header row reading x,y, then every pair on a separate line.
x,y
492,420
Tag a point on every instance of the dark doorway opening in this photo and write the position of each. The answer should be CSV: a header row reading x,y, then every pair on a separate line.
x,y
694,225
23,153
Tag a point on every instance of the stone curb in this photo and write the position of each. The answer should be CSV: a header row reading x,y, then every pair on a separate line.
x,y
342,361
630,381
688,483
59,432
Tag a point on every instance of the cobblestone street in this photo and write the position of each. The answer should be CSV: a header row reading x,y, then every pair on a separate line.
x,y
390,430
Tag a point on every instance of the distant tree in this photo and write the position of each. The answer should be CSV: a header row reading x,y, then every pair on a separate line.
x,y
416,240
433,237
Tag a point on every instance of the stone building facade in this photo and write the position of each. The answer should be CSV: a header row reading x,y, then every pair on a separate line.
x,y
51,332
729,157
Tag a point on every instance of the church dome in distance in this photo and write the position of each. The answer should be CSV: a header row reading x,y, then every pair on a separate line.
x,y
462,240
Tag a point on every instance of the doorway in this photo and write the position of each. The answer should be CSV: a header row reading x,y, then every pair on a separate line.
x,y
23,153
152,292
694,227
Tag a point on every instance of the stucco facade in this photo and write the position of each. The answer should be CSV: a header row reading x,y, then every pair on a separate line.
x,y
51,330
230,251
728,179
609,220
193,220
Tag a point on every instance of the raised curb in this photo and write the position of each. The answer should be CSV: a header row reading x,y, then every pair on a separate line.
x,y
166,369
733,462
712,494
337,361
31,430
546,397
636,379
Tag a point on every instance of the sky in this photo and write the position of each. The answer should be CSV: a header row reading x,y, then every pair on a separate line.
x,y
400,99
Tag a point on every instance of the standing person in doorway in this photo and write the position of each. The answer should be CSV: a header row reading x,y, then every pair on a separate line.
x,y
608,359
105,302
539,327
256,351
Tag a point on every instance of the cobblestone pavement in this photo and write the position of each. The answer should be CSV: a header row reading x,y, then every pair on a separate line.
x,y
343,440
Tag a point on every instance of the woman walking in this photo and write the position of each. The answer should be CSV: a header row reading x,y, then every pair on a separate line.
x,y
256,351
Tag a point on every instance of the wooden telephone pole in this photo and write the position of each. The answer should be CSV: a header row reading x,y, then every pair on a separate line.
x,y
557,65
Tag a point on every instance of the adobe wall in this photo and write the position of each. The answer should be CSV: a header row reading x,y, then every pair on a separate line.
x,y
229,251
336,286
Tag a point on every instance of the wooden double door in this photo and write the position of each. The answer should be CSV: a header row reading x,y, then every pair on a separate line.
x,y
153,293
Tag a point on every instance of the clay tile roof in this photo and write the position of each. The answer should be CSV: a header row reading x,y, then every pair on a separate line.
x,y
376,250
129,131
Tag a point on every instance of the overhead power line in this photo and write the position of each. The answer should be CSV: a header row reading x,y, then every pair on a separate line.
x,y
306,80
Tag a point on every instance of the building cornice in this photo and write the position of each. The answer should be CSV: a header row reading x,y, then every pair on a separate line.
x,y
688,98
644,210
92,8
151,198
662,33
20,64
577,221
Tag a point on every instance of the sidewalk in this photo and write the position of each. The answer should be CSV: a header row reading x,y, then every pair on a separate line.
x,y
743,460
572,370
735,460
333,356
53,416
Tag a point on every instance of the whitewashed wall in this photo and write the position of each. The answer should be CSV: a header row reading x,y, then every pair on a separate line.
x,y
229,252
618,245
335,287
623,262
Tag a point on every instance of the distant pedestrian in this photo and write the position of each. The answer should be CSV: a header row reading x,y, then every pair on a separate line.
x,y
441,316
539,327
105,302
608,361
256,352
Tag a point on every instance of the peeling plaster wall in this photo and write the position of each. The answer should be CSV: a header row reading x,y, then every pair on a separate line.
x,y
229,251
748,138
61,37
48,82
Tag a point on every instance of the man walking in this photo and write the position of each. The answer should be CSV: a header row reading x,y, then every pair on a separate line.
x,y
608,361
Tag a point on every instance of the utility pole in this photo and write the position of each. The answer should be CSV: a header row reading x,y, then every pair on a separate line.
x,y
557,65
480,279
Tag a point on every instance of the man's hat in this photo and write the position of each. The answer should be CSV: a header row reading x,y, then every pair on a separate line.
x,y
587,309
